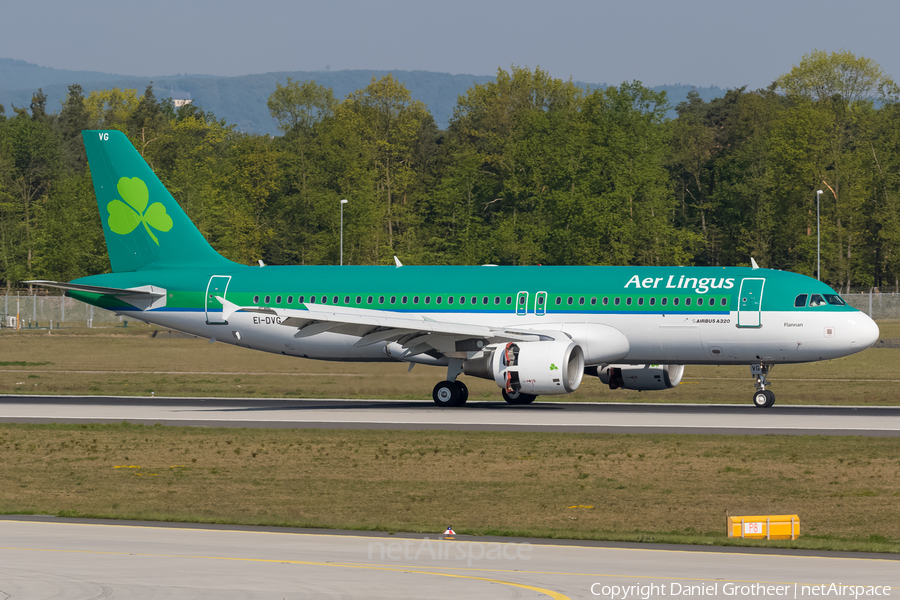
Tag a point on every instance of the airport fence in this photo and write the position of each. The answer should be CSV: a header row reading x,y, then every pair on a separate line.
x,y
42,312
36,311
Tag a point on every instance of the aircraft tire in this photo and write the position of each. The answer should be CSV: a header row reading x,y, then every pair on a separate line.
x,y
761,399
463,392
446,393
771,401
518,398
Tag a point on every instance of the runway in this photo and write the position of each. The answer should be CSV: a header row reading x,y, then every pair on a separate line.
x,y
474,416
65,560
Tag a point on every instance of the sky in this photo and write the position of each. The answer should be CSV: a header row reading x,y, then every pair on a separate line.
x,y
698,42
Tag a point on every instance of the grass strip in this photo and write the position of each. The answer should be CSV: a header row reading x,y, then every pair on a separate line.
x,y
136,364
661,488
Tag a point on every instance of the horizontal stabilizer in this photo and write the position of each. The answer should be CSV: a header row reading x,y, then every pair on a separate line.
x,y
144,297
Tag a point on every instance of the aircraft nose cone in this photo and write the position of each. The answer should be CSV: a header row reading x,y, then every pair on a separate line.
x,y
865,332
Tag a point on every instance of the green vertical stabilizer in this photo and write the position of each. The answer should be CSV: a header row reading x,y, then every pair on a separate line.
x,y
143,224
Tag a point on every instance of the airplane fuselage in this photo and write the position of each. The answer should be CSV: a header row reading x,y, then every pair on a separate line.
x,y
684,315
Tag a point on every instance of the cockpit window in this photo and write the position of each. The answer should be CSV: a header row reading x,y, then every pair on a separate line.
x,y
817,300
835,300
800,301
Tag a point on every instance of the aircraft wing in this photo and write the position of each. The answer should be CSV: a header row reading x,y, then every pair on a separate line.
x,y
415,333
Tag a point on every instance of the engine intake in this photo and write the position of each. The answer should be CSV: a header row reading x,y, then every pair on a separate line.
x,y
641,377
539,368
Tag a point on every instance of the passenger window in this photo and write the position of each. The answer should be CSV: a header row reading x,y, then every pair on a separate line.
x,y
312,299
508,300
581,301
496,300
299,299
438,299
569,301
403,300
687,301
346,299
675,301
359,299
817,300
628,301
474,300
393,299
415,299
449,299
334,300
484,300
652,301
835,300
255,299
605,301
724,301
664,301
267,299
369,299
380,299
427,299
699,301
324,299
462,299
540,300
593,302
617,301
640,301
521,300
290,299
558,300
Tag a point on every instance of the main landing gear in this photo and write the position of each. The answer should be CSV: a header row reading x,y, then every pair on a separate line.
x,y
451,392
518,397
762,398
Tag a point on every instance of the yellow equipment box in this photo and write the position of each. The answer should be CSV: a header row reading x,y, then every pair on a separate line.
x,y
770,527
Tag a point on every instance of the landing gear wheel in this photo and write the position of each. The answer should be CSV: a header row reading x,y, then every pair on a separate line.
x,y
447,393
763,399
463,392
518,398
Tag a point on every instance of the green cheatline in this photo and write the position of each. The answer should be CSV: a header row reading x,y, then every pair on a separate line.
x,y
124,217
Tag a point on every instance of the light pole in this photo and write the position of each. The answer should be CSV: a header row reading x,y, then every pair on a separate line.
x,y
818,240
343,202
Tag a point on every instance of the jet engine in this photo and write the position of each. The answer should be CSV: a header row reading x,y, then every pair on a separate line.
x,y
551,367
641,377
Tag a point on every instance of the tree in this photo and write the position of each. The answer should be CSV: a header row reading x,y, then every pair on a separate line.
x,y
299,106
387,122
822,76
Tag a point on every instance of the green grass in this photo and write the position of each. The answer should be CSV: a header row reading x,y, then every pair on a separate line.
x,y
663,488
128,361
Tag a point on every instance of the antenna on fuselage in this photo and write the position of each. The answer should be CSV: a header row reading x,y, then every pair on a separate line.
x,y
753,263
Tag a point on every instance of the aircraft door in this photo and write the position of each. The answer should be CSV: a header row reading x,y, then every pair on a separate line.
x,y
749,310
217,286
522,303
540,304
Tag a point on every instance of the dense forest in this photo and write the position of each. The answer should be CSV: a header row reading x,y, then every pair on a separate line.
x,y
530,170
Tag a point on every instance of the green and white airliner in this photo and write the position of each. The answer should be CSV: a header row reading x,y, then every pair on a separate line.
x,y
532,330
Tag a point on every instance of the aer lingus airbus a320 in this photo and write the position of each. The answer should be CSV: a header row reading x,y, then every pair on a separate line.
x,y
532,330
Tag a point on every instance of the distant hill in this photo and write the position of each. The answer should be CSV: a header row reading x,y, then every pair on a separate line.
x,y
242,100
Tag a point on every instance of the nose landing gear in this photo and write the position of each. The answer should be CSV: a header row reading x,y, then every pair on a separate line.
x,y
762,398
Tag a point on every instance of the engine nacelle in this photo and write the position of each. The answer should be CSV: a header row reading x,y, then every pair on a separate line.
x,y
641,377
539,368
